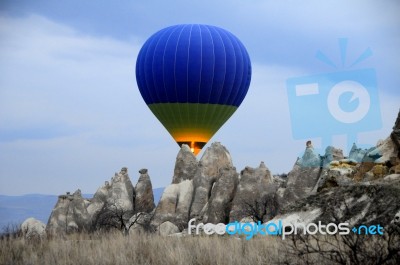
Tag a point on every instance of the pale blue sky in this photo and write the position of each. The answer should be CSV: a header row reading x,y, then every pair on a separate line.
x,y
71,114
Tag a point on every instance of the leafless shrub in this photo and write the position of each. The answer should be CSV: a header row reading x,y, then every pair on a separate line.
x,y
10,231
346,249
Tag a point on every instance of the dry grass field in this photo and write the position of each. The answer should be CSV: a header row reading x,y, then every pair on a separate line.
x,y
114,248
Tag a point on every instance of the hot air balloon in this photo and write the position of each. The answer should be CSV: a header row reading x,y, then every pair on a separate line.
x,y
193,78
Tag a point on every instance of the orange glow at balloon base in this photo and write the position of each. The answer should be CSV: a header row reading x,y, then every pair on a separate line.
x,y
194,146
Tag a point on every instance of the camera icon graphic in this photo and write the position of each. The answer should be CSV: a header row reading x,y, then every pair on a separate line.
x,y
336,103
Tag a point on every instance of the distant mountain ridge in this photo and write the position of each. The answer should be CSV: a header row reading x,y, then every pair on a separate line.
x,y
15,209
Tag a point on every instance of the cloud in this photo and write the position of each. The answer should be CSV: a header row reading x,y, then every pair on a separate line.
x,y
70,109
54,76
71,113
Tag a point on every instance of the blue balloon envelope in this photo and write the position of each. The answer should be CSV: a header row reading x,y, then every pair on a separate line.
x,y
193,78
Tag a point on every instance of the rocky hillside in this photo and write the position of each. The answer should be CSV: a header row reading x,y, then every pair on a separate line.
x,y
361,188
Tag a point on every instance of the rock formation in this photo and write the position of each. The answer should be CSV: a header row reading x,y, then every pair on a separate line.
x,y
331,154
174,204
33,229
222,193
396,218
215,158
199,190
168,228
210,190
310,158
185,165
254,185
69,215
363,187
395,135
357,154
144,201
73,213
305,177
356,190
366,203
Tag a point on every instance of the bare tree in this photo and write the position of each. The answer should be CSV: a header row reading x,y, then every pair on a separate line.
x,y
114,216
259,209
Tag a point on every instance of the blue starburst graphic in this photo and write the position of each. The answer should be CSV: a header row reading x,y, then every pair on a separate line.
x,y
342,102
354,229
